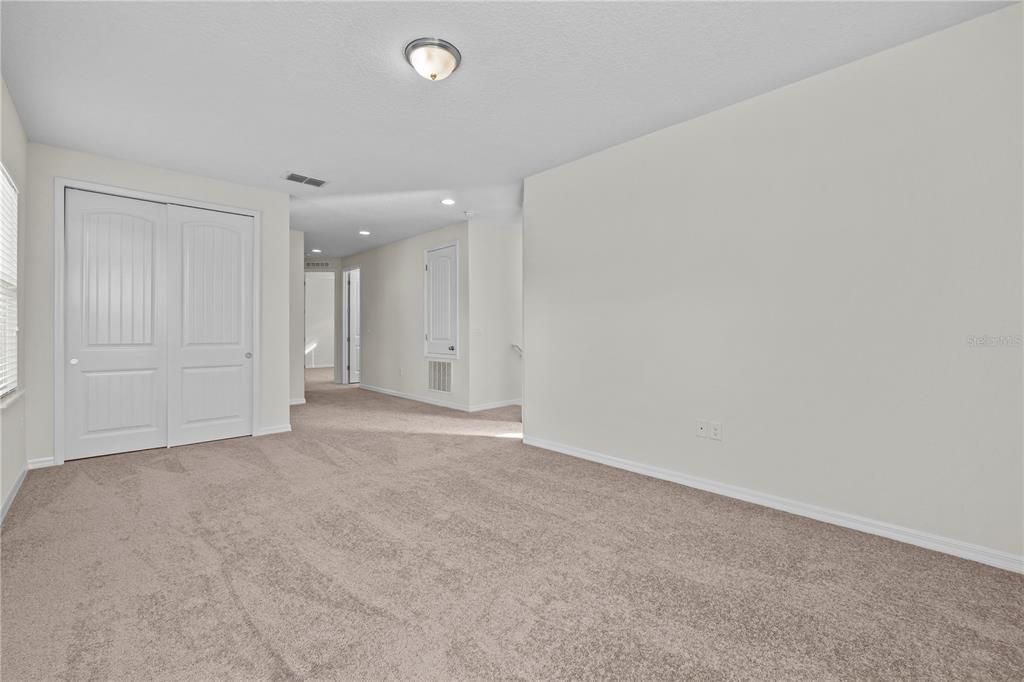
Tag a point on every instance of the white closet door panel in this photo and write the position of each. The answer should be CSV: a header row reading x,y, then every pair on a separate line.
x,y
210,324
115,350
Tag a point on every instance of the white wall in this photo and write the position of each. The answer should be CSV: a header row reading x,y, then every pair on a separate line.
x,y
14,153
319,325
391,280
807,267
45,164
296,317
495,310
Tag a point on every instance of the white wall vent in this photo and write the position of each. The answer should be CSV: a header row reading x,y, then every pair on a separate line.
x,y
439,376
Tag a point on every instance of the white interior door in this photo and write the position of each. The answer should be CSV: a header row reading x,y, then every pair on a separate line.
x,y
210,285
115,381
442,300
353,325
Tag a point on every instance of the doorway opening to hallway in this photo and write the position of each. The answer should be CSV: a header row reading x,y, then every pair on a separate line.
x,y
320,323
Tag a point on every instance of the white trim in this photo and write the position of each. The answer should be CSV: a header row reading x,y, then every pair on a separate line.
x,y
420,399
11,398
426,302
319,367
441,403
298,401
9,178
41,463
964,550
490,406
60,185
9,500
257,304
270,430
14,391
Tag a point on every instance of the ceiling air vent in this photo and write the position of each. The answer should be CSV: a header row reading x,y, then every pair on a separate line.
x,y
305,180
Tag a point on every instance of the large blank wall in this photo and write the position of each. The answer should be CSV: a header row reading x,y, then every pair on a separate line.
x,y
805,267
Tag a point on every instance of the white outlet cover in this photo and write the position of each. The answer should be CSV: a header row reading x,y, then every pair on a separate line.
x,y
715,430
702,428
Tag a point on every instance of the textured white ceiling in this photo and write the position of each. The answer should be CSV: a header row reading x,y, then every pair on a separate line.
x,y
248,91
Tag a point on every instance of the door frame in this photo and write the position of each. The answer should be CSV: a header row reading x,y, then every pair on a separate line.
x,y
60,185
342,359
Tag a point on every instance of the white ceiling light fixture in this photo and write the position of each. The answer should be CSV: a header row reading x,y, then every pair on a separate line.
x,y
433,58
448,202
317,251
364,232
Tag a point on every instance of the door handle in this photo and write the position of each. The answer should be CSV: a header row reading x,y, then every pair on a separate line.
x,y
451,347
248,355
73,361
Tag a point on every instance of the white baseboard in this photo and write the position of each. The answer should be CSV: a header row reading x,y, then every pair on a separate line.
x,y
440,402
269,430
40,463
10,496
490,406
298,401
964,550
420,399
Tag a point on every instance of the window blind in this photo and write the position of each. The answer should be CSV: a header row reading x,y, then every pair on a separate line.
x,y
8,284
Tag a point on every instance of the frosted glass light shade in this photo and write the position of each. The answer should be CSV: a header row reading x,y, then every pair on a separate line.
x,y
433,58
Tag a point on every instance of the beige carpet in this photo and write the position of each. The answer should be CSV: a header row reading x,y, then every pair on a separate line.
x,y
388,539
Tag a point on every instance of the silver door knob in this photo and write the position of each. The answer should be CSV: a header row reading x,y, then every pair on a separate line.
x,y
248,355
73,361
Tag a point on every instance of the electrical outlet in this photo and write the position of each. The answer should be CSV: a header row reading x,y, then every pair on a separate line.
x,y
702,428
715,430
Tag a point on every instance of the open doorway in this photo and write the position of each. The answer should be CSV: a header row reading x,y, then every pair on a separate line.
x,y
319,320
351,346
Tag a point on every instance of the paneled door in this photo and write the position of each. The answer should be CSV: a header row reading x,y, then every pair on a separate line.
x,y
442,300
210,325
115,331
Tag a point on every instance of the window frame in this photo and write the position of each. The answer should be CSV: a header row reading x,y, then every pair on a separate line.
x,y
12,286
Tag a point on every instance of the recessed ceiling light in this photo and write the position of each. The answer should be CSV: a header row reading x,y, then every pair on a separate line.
x,y
317,251
433,58
363,232
448,202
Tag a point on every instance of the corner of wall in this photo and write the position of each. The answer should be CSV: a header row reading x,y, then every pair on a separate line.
x,y
296,317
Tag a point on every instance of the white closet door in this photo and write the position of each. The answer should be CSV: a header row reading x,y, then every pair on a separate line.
x,y
115,331
210,285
